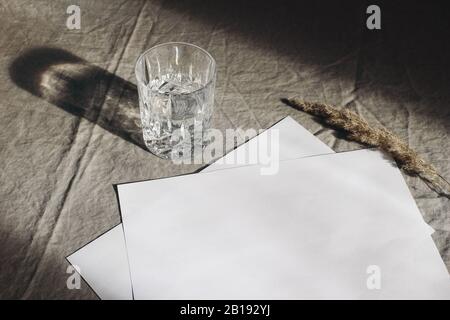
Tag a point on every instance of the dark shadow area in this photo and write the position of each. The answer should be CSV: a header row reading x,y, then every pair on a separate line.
x,y
81,89
287,27
327,28
42,278
406,61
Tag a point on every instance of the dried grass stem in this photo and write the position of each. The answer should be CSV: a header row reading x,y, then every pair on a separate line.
x,y
359,130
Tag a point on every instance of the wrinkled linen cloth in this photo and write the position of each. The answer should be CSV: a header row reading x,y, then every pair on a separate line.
x,y
69,115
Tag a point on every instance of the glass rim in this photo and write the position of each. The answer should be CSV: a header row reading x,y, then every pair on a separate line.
x,y
141,56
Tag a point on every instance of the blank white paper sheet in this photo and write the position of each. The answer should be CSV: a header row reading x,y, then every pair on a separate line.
x,y
315,230
103,262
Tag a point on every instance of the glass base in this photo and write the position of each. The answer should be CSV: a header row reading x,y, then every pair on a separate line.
x,y
180,152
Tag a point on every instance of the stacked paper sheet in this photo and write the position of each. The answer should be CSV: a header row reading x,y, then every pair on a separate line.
x,y
334,226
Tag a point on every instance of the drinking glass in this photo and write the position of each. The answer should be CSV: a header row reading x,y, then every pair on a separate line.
x,y
175,83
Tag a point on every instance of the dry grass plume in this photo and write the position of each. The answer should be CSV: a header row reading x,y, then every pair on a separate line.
x,y
357,129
